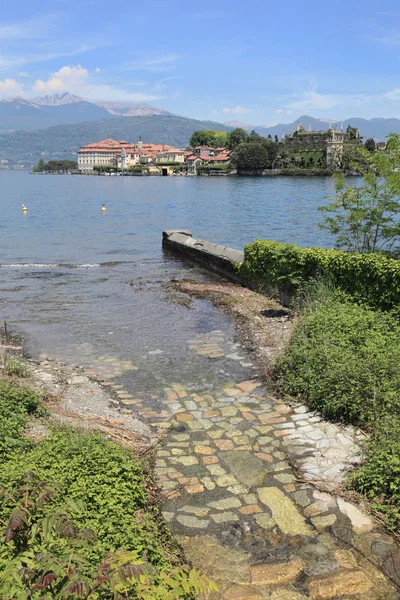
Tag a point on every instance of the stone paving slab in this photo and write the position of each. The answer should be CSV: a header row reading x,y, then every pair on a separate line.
x,y
247,483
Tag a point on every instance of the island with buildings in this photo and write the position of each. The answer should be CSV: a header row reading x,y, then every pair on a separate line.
x,y
301,152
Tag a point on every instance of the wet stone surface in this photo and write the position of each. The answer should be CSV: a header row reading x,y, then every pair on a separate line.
x,y
248,483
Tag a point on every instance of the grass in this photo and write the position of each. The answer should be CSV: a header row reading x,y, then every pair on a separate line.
x,y
14,367
343,360
16,406
107,491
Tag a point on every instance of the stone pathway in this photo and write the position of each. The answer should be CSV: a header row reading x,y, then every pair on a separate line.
x,y
234,471
247,483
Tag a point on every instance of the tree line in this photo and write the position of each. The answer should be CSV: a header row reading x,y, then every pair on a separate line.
x,y
55,166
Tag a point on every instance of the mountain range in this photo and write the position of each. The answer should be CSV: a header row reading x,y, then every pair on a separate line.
x,y
63,141
56,126
369,128
61,109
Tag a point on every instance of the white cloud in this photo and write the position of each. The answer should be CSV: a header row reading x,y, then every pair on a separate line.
x,y
76,80
312,100
10,87
67,78
289,112
97,70
22,74
279,111
393,95
239,110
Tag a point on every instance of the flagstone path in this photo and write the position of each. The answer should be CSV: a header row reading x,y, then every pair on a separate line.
x,y
237,470
248,485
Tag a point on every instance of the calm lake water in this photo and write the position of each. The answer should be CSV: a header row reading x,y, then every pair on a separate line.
x,y
89,288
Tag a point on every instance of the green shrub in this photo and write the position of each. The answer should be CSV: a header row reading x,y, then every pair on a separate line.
x,y
378,478
371,278
343,360
16,405
41,556
108,479
14,366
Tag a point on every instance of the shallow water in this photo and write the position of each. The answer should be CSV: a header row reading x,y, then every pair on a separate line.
x,y
66,269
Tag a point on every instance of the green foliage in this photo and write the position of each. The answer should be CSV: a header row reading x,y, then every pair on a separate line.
x,y
370,278
109,168
55,166
16,405
365,218
236,137
40,167
378,478
137,168
370,145
15,367
352,132
108,479
209,137
207,169
343,361
251,156
42,556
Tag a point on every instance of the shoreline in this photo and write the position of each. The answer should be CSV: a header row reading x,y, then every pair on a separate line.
x,y
139,174
208,512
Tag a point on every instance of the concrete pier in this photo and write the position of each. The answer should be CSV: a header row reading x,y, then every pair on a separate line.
x,y
215,257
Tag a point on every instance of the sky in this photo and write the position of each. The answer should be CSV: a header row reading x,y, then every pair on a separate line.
x,y
260,62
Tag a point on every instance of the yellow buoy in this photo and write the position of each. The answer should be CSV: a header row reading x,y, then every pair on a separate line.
x,y
103,207
24,209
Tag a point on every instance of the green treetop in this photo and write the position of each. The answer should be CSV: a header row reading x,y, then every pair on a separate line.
x,y
209,137
365,218
236,137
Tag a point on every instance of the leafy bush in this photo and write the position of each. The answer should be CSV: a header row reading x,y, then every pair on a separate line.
x,y
109,480
343,360
371,278
41,554
378,478
16,405
14,366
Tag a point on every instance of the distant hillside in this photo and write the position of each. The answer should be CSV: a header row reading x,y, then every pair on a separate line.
x,y
63,141
132,109
56,99
260,129
375,128
22,114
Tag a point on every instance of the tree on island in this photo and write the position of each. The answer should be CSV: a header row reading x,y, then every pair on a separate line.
x,y
39,167
55,166
272,152
352,132
370,145
209,137
236,137
365,218
251,156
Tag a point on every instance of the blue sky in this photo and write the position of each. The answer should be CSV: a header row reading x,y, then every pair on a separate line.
x,y
259,62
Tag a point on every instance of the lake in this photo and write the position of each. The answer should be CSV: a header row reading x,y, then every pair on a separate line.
x,y
91,289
